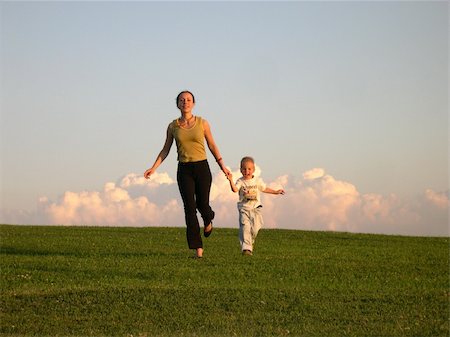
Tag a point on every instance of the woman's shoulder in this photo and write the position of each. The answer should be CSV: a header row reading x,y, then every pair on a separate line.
x,y
173,123
203,122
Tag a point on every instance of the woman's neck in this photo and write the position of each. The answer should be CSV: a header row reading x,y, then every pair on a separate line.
x,y
186,117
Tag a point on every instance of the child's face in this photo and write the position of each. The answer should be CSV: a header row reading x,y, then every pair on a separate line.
x,y
247,169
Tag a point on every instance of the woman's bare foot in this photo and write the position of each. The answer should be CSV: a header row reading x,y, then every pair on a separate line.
x,y
208,229
199,253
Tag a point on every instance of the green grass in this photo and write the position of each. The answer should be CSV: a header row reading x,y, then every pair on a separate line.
x,y
96,281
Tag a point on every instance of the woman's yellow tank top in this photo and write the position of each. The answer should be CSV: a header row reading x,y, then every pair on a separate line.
x,y
190,142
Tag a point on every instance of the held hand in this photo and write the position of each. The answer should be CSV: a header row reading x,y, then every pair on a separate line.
x,y
229,176
227,173
148,173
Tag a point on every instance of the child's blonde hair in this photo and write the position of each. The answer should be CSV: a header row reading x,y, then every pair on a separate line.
x,y
247,159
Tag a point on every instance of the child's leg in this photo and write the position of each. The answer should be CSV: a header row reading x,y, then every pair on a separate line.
x,y
245,230
257,223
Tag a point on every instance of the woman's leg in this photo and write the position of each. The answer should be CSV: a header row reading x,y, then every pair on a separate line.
x,y
203,180
187,187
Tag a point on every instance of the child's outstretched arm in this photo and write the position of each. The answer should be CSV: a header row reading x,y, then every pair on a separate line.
x,y
271,191
232,185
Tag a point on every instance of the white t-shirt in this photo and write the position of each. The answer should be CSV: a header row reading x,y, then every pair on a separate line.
x,y
249,192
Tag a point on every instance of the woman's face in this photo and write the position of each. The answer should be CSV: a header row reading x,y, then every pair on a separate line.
x,y
185,102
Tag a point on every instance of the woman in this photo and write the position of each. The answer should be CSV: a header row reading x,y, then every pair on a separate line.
x,y
193,174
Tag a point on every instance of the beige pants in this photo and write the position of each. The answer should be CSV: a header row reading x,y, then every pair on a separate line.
x,y
250,222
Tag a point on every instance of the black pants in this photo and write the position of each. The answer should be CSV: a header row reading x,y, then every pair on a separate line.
x,y
194,181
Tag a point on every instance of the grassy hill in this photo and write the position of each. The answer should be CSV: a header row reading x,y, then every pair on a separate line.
x,y
97,281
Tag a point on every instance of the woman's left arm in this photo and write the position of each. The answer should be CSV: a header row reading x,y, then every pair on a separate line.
x,y
214,148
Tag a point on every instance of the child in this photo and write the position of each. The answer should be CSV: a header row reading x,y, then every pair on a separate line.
x,y
249,204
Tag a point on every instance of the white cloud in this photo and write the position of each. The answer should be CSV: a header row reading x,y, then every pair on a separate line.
x,y
318,201
132,202
314,174
441,200
321,202
313,201
133,179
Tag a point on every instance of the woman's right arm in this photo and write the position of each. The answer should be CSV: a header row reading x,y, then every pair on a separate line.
x,y
162,155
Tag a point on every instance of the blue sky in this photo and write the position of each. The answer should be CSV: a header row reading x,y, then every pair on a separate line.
x,y
357,89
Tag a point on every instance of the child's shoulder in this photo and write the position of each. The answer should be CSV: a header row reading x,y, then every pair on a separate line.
x,y
259,181
240,180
